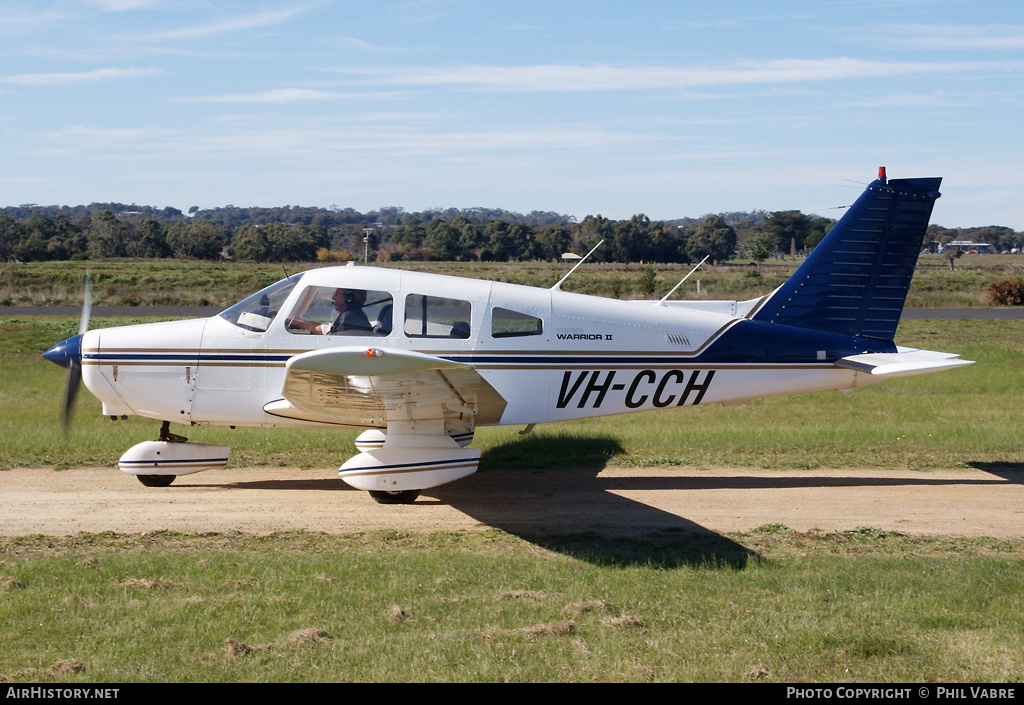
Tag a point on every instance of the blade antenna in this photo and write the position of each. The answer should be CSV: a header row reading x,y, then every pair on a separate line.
x,y
558,286
662,302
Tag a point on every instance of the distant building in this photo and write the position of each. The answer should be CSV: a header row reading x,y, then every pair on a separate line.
x,y
967,247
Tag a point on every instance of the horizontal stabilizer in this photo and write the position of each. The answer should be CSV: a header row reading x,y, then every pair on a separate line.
x,y
902,364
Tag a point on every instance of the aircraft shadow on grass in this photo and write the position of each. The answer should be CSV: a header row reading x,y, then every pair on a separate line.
x,y
548,492
524,487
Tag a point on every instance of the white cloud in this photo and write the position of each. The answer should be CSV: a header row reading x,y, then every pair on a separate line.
x,y
946,37
232,24
122,5
18,21
57,79
569,78
280,96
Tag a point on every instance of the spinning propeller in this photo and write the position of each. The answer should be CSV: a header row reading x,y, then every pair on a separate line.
x,y
68,353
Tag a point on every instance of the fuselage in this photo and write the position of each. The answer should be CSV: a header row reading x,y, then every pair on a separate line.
x,y
550,355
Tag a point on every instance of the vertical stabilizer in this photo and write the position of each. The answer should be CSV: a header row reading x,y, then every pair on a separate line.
x,y
855,281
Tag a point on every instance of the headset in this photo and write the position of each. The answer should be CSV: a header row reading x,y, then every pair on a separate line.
x,y
354,296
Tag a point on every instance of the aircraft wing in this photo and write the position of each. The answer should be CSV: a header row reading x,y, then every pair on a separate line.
x,y
360,387
904,362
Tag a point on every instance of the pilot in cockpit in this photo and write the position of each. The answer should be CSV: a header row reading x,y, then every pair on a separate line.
x,y
351,320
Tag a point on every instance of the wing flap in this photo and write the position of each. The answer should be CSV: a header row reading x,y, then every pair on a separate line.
x,y
904,363
360,387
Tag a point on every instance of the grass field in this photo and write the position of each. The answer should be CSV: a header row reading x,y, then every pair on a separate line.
x,y
769,606
143,282
860,606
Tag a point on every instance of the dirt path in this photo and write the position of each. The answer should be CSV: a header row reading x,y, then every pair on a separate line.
x,y
612,501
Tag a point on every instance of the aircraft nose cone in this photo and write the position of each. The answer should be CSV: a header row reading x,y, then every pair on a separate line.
x,y
65,352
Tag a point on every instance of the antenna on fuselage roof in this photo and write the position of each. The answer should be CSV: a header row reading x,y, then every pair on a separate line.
x,y
662,302
558,286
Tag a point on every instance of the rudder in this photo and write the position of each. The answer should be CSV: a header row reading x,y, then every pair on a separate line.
x,y
856,280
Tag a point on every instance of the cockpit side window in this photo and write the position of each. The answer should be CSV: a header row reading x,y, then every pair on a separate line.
x,y
506,323
437,317
258,311
329,310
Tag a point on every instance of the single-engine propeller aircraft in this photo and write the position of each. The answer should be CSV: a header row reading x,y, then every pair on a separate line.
x,y
420,360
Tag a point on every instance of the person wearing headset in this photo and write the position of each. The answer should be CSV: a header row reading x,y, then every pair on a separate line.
x,y
350,319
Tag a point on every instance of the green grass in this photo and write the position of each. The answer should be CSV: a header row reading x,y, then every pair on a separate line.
x,y
858,606
768,606
142,282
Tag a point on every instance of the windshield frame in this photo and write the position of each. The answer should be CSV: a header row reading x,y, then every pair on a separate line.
x,y
255,313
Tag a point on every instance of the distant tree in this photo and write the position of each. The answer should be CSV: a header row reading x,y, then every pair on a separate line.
x,y
276,243
648,281
591,231
442,239
628,242
554,241
32,248
952,254
712,237
760,246
820,227
106,236
999,237
411,234
470,240
662,243
153,239
67,238
789,228
503,242
10,236
196,240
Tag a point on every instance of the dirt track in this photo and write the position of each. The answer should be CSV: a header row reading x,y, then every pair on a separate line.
x,y
612,501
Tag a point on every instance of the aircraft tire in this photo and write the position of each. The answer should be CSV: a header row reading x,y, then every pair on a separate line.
x,y
404,497
156,480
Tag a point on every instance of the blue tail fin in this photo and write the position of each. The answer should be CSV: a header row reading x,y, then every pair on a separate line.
x,y
856,280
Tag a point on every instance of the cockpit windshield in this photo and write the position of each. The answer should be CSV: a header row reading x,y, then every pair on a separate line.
x,y
257,312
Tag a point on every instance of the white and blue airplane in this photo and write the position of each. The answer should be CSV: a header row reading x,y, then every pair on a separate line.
x,y
421,360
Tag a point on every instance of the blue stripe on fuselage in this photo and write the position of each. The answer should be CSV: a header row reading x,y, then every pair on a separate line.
x,y
746,342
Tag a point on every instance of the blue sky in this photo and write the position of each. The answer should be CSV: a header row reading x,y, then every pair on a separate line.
x,y
666,108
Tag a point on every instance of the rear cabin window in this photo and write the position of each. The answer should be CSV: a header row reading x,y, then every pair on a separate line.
x,y
437,317
512,324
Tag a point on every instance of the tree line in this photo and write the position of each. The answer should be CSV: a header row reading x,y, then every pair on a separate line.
x,y
299,234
